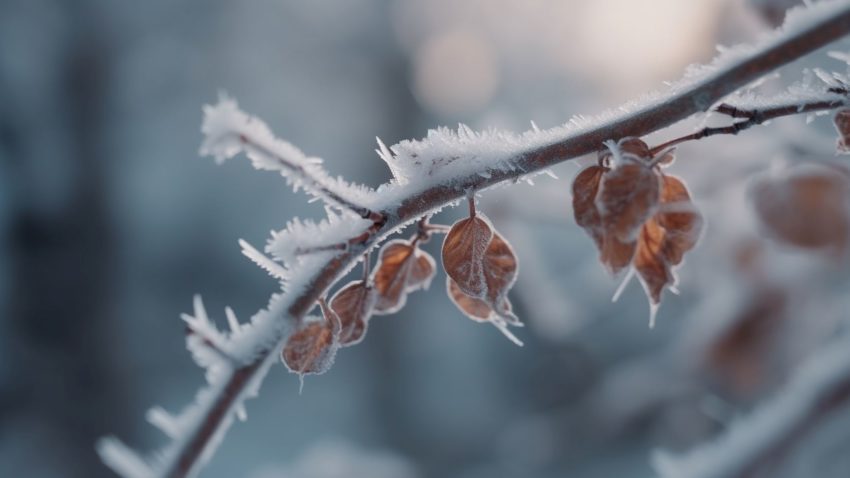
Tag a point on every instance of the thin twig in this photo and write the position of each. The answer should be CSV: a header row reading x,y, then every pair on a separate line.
x,y
752,117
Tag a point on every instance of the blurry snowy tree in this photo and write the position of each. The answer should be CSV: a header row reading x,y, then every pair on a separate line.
x,y
640,217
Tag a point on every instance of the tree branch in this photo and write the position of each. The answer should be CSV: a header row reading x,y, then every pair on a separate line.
x,y
215,408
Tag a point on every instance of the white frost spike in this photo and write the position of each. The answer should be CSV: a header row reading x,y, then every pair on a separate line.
x,y
623,284
209,347
825,77
502,325
201,325
232,321
158,417
123,460
199,309
240,412
387,156
273,268
840,56
653,312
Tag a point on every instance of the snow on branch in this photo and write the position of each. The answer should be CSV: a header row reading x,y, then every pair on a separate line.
x,y
429,175
821,386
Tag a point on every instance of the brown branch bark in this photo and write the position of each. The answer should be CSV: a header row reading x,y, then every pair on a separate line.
x,y
700,97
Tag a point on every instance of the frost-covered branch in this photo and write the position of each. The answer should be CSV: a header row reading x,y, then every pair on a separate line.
x,y
428,175
755,444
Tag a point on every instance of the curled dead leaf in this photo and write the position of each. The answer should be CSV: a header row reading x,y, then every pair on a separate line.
x,y
666,237
481,268
486,274
634,147
480,311
636,215
680,219
616,255
806,206
312,348
585,211
463,254
402,268
500,272
353,306
422,271
475,309
665,158
650,263
628,196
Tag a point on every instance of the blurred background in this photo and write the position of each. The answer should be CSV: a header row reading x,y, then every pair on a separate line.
x,y
110,222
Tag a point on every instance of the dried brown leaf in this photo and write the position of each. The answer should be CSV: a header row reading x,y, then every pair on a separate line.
x,y
311,349
585,211
480,311
628,196
805,207
390,276
681,221
634,147
500,270
401,268
615,254
649,261
422,272
463,254
665,158
353,305
475,309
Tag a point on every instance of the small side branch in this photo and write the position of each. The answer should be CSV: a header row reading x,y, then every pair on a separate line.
x,y
310,181
751,117
228,130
